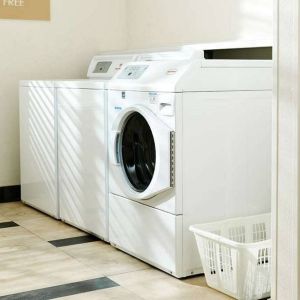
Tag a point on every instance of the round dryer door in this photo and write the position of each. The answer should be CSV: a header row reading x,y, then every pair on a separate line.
x,y
142,145
138,153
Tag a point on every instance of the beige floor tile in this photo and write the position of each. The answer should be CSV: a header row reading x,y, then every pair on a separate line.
x,y
196,280
140,281
116,293
104,258
4,219
18,238
50,229
137,277
37,267
18,211
203,294
171,288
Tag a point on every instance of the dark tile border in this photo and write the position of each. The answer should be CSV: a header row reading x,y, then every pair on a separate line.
x,y
64,290
8,225
74,241
10,193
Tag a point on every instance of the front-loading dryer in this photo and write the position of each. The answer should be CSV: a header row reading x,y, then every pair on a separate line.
x,y
190,142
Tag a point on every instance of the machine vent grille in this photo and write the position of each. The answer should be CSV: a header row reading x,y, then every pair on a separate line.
x,y
258,53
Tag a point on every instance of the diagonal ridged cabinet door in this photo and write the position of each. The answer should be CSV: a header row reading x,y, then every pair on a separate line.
x,y
82,159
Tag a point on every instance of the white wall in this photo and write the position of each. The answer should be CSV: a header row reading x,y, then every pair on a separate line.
x,y
155,23
57,49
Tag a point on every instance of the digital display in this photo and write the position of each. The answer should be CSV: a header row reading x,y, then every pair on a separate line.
x,y
102,66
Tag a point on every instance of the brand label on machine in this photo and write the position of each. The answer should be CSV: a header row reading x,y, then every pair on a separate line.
x,y
153,97
25,9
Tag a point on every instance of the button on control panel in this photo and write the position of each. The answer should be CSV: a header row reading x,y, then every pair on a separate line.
x,y
133,72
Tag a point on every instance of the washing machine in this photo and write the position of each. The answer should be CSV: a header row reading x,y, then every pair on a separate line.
x,y
190,143
40,184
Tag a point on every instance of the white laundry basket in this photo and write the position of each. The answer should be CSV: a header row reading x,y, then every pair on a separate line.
x,y
236,256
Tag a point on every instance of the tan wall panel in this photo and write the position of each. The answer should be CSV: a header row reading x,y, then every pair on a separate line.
x,y
25,9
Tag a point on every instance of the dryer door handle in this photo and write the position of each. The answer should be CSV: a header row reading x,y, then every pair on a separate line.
x,y
115,138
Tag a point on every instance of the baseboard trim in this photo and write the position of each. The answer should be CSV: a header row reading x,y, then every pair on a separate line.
x,y
10,193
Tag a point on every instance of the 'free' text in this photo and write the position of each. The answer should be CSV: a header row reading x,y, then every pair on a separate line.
x,y
14,3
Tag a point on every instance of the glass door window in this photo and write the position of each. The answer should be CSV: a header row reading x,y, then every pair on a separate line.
x,y
138,153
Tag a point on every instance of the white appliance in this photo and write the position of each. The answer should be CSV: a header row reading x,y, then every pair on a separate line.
x,y
82,150
39,139
38,143
190,142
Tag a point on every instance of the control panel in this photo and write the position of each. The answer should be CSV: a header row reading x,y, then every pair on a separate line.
x,y
133,72
102,67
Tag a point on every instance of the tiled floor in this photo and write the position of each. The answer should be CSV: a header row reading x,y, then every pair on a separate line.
x,y
28,263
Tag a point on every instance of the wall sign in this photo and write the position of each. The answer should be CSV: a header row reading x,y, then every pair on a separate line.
x,y
25,9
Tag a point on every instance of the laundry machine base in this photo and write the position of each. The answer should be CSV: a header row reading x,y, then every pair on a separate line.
x,y
151,235
49,213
